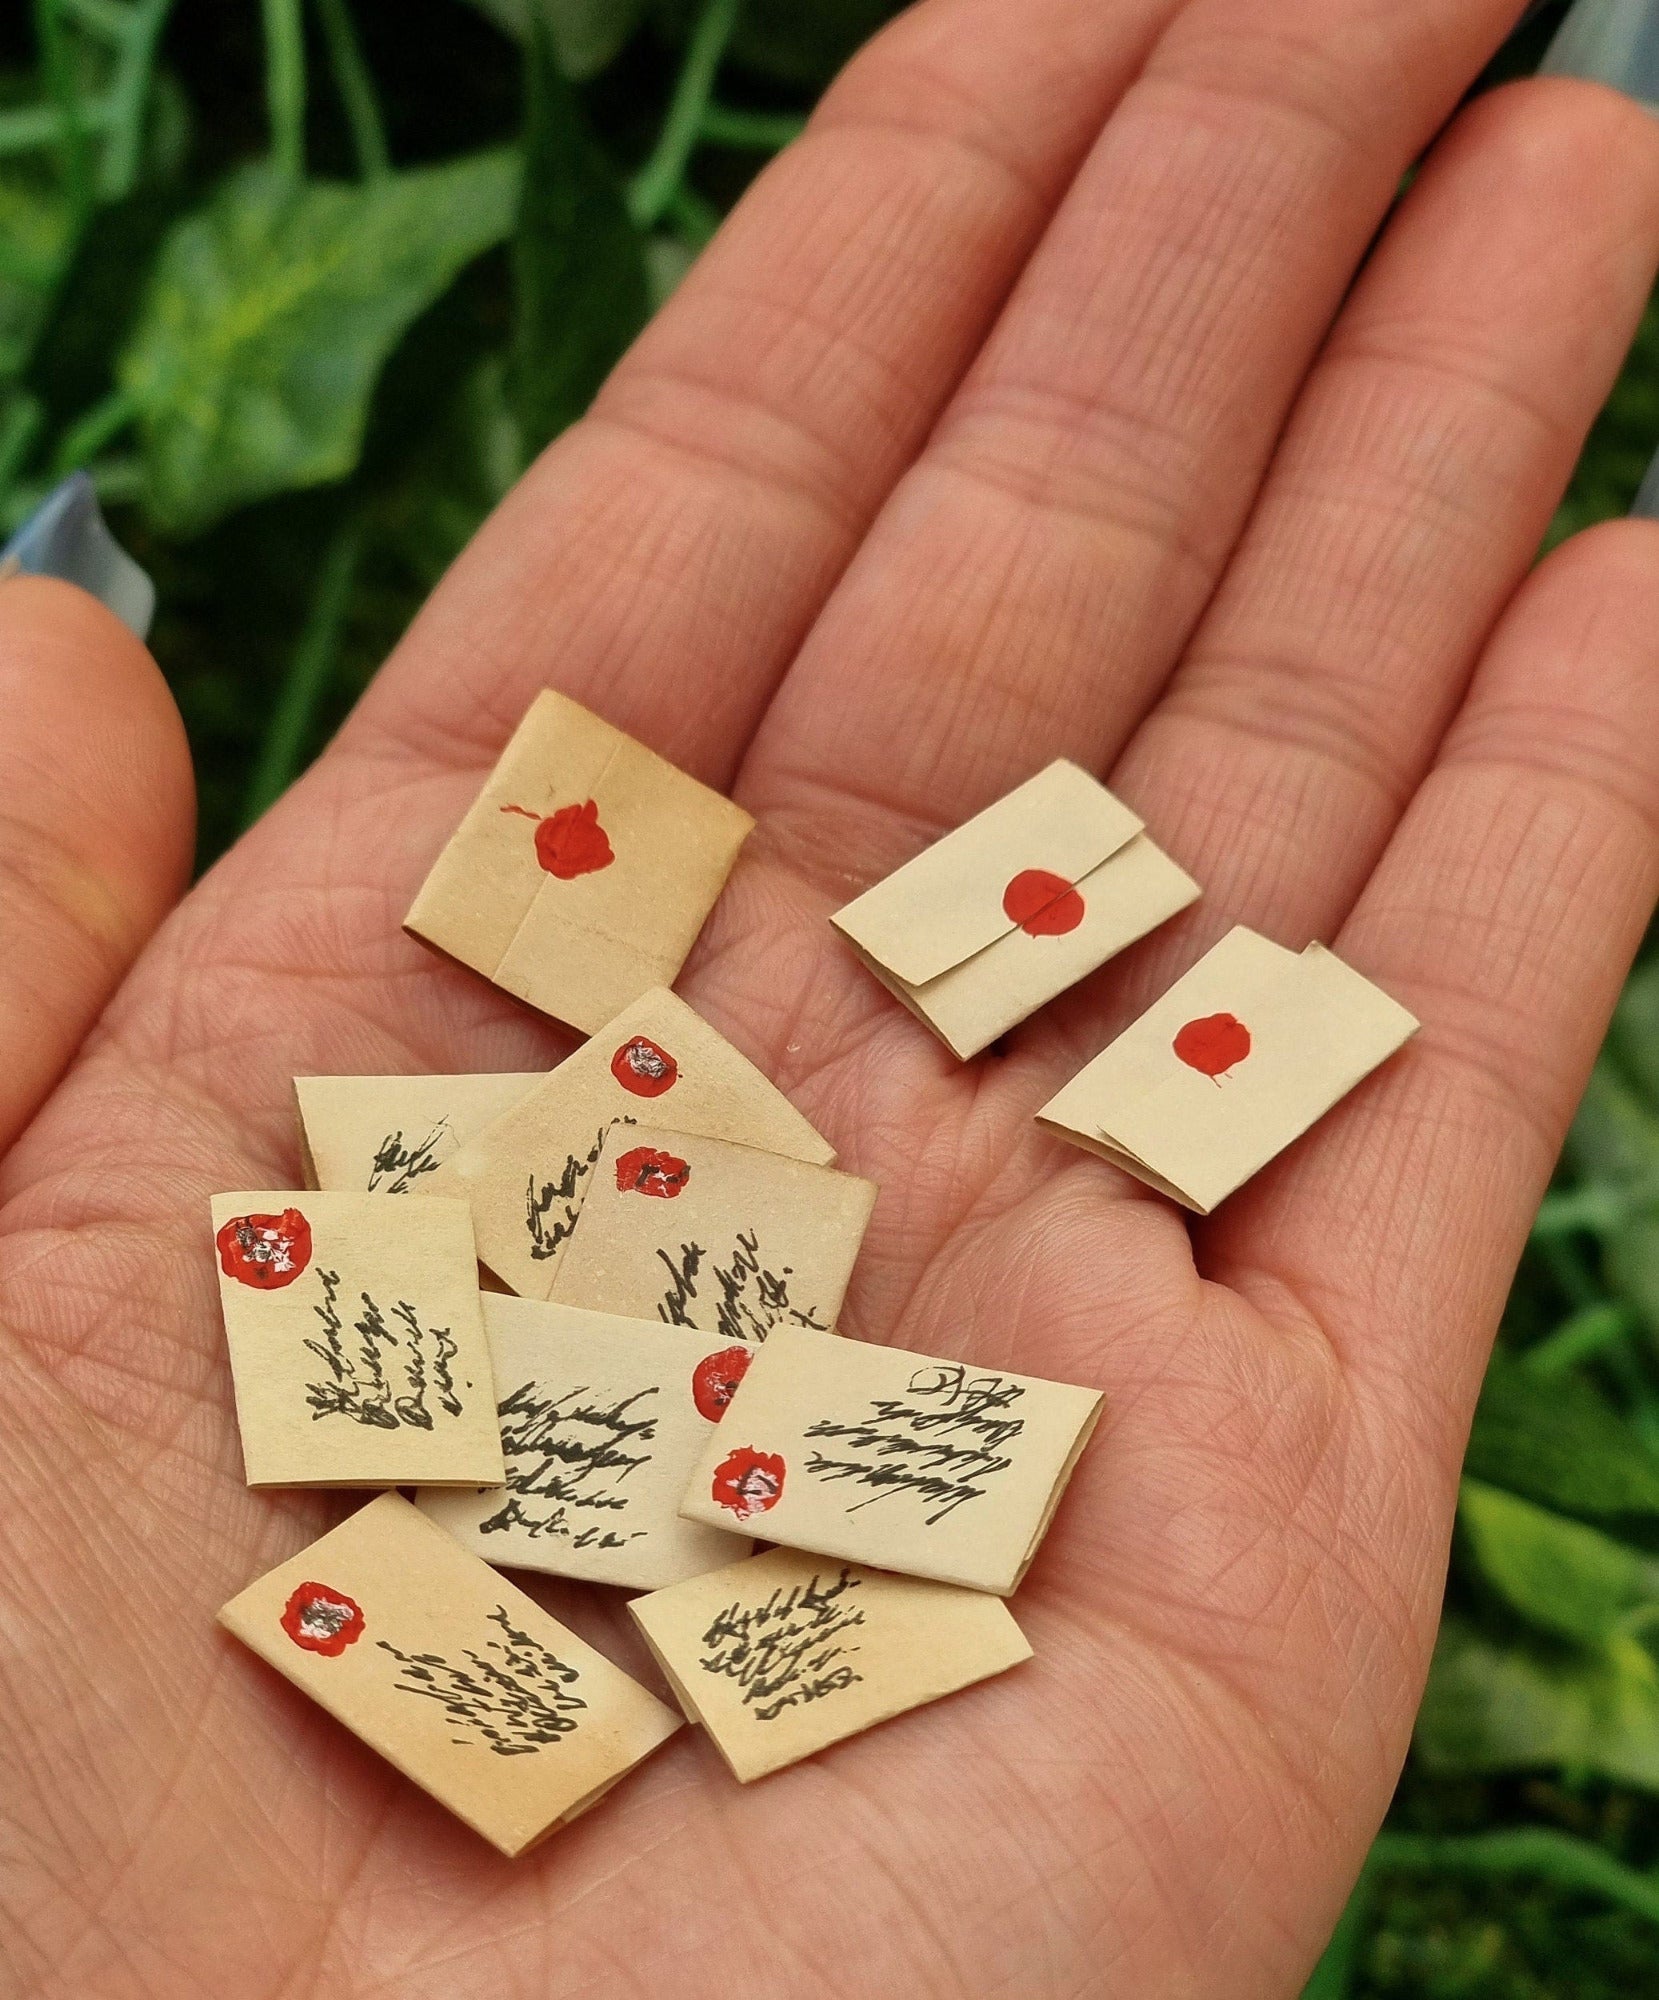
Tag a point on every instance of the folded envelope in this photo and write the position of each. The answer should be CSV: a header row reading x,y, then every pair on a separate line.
x,y
390,1134
1236,1060
458,1679
1028,897
931,1467
602,1420
584,870
698,1232
782,1656
658,1063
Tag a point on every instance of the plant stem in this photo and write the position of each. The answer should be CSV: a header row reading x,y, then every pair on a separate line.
x,y
285,85
653,187
356,87
90,432
313,660
59,69
1585,1333
695,220
31,126
750,131
129,98
1529,1850
19,427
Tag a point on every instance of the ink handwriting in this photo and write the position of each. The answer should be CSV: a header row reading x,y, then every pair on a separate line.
x,y
405,1164
364,1382
515,1695
569,1457
789,1650
748,1299
941,1444
549,1231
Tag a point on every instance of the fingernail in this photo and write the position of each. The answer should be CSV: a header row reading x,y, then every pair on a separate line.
x,y
66,537
1610,41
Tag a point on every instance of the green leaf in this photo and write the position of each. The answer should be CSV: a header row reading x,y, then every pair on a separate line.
x,y
1554,1439
578,262
1615,1137
271,313
587,35
37,231
1493,1708
1564,1577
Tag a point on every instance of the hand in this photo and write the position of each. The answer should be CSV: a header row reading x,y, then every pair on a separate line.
x,y
1023,409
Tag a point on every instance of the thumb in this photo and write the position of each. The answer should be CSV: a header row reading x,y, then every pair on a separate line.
x,y
97,823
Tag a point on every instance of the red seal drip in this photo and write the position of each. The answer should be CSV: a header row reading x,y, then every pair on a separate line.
x,y
715,1378
1213,1045
322,1620
646,1171
570,842
1043,905
748,1481
265,1251
645,1069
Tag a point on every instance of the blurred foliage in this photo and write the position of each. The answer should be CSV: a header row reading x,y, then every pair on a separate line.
x,y
305,284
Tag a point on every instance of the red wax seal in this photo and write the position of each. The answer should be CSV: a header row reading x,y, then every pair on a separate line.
x,y
1043,905
748,1481
643,1068
322,1620
715,1378
1213,1045
570,842
265,1251
646,1171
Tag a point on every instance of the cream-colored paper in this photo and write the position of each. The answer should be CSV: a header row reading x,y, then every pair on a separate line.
x,y
659,1063
699,1232
583,872
390,1134
1232,1064
1022,901
780,1657
602,1420
356,1341
458,1679
932,1468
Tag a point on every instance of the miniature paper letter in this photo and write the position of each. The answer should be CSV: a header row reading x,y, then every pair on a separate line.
x,y
930,1467
458,1679
658,1063
602,1420
783,1655
698,1232
992,922
1233,1063
356,1341
583,872
391,1134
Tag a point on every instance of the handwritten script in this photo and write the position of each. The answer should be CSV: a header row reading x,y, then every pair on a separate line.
x,y
789,1650
364,1380
568,1461
396,1167
747,1299
940,1444
551,1207
515,1696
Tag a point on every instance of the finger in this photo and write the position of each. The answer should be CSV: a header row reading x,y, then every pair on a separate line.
x,y
1034,577
1505,914
663,560
96,826
1405,506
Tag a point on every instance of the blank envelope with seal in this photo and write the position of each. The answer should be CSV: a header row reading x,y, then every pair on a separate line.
x,y
1236,1060
1022,901
584,869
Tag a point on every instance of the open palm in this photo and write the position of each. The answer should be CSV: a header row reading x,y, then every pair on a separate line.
x,y
1029,406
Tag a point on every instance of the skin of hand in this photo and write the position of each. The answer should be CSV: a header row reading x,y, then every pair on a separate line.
x,y
1030,405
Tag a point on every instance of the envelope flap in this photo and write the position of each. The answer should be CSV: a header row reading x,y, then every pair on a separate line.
x,y
947,904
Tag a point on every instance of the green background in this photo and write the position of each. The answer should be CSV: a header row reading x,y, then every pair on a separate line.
x,y
305,283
